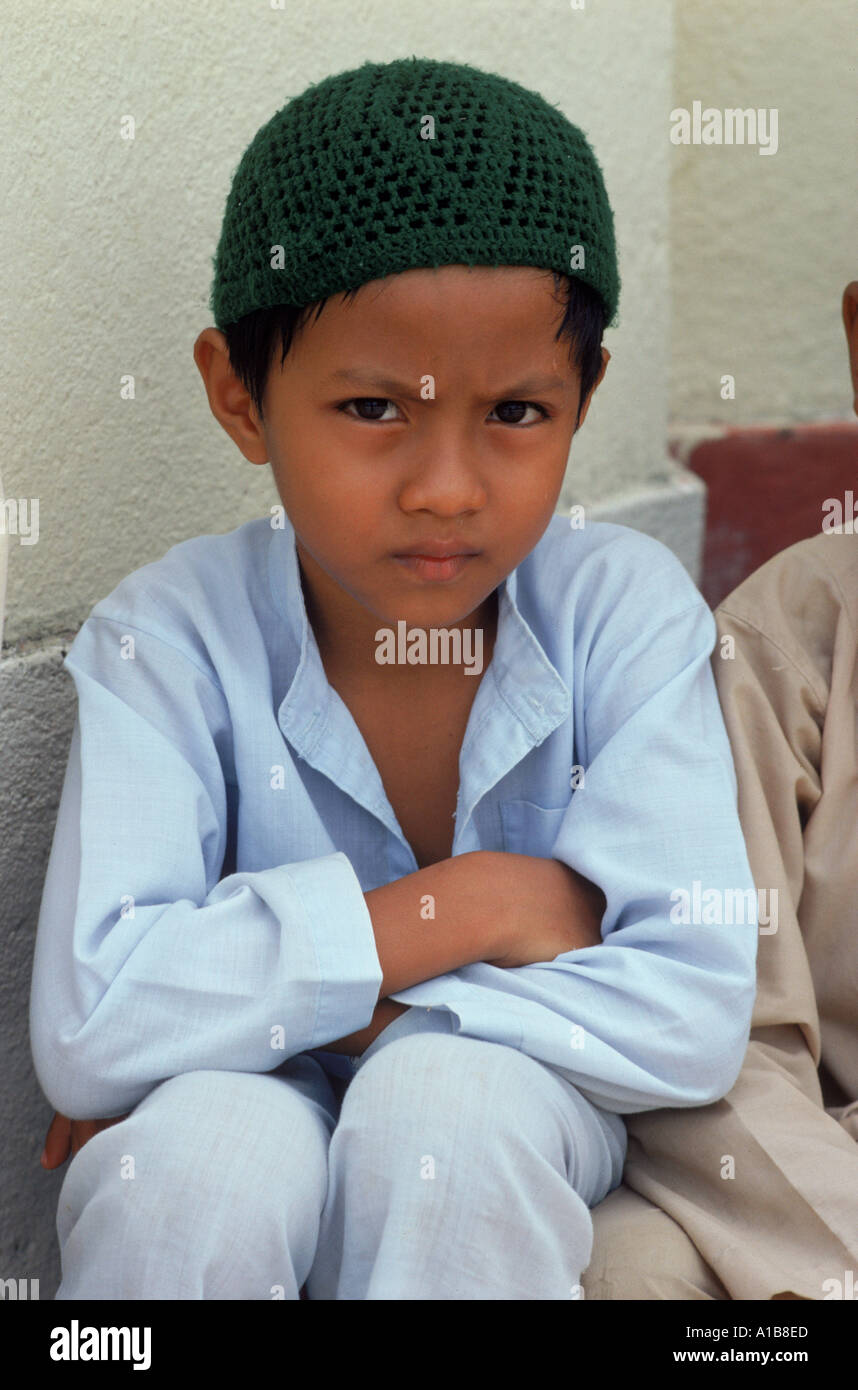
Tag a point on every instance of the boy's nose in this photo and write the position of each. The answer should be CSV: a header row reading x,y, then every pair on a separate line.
x,y
447,481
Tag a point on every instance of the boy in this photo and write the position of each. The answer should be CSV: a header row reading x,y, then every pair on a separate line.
x,y
376,953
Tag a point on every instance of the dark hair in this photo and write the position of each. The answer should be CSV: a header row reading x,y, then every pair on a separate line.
x,y
253,340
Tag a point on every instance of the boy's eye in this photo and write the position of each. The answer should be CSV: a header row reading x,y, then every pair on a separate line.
x,y
520,406
377,404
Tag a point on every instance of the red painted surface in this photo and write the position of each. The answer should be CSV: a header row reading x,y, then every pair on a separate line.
x,y
766,489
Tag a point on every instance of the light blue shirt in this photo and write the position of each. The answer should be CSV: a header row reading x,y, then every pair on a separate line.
x,y
221,819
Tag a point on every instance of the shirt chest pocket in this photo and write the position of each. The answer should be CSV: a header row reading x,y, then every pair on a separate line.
x,y
530,829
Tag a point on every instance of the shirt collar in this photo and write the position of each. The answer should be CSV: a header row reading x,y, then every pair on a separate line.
x,y
520,687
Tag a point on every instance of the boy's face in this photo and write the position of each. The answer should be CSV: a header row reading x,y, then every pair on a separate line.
x,y
408,416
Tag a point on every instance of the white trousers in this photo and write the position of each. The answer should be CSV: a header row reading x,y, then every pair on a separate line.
x,y
447,1168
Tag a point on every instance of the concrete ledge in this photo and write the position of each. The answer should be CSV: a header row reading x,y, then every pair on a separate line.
x,y
673,511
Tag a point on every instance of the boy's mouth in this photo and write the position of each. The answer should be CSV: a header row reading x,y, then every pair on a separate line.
x,y
431,566
438,549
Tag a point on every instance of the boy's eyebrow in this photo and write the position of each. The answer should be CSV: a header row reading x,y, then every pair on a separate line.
x,y
368,377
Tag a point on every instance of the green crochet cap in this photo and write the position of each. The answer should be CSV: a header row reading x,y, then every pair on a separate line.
x,y
344,179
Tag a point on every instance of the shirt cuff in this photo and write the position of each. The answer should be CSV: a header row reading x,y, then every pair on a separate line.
x,y
350,973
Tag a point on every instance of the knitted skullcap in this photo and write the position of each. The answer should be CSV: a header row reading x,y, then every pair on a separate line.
x,y
342,179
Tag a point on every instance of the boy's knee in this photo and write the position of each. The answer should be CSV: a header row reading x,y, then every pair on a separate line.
x,y
639,1252
211,1122
215,1103
442,1073
446,1087
208,1155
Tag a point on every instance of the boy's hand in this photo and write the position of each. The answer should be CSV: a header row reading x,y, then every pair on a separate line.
x,y
66,1136
549,909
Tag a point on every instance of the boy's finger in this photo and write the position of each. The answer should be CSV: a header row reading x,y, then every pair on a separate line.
x,y
67,1136
83,1130
57,1142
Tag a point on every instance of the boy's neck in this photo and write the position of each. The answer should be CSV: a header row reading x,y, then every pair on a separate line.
x,y
345,635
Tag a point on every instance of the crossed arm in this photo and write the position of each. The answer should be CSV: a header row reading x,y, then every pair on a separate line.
x,y
506,909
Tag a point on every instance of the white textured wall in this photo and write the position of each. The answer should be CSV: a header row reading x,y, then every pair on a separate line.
x,y
107,246
763,246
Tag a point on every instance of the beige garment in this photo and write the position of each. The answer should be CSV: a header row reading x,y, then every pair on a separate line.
x,y
788,1220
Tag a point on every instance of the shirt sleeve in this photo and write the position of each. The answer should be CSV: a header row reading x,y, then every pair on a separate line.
x,y
658,1014
148,963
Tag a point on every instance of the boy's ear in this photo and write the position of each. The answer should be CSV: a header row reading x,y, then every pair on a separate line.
x,y
850,323
229,400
